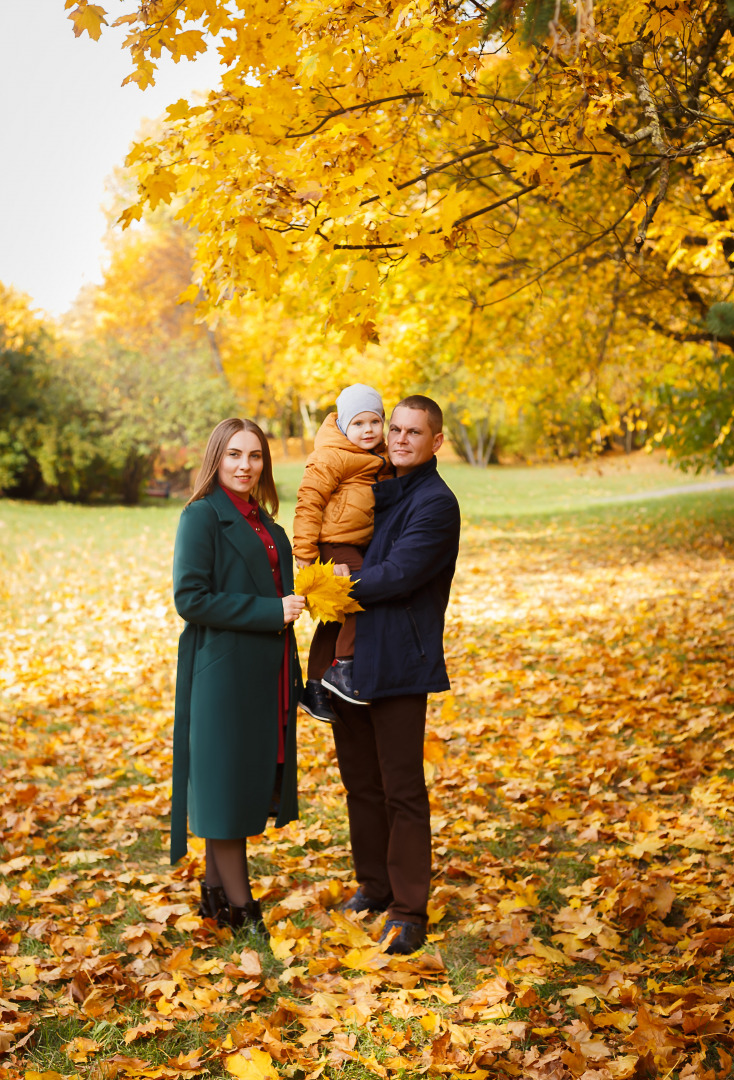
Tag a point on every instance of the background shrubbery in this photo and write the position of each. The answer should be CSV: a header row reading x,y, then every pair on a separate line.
x,y
89,420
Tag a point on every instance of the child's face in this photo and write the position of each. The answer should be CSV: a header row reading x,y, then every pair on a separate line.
x,y
365,430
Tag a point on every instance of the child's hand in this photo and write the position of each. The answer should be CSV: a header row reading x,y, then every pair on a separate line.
x,y
341,570
300,563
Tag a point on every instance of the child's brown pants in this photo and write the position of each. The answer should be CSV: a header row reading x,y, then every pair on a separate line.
x,y
334,639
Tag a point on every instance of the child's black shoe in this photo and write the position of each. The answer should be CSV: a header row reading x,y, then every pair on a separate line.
x,y
338,679
315,702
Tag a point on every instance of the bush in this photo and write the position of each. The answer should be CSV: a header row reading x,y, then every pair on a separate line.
x,y
91,422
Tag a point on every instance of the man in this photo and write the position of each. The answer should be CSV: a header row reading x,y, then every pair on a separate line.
x,y
404,588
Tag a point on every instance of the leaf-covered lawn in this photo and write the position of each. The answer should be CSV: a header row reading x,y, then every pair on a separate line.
x,y
582,782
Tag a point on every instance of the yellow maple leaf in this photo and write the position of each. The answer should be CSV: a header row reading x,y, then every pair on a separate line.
x,y
79,1049
179,110
327,596
89,17
161,186
252,1064
188,43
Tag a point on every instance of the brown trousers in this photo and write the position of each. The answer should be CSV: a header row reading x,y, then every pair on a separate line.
x,y
334,639
380,752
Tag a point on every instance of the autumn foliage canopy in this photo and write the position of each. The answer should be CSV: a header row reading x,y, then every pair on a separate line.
x,y
541,190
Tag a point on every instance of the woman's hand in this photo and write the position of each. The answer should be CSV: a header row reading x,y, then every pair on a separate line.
x,y
341,570
293,605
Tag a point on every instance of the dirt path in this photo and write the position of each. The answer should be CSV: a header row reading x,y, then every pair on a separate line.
x,y
682,489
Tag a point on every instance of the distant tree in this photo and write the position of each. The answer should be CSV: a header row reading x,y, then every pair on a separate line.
x,y
27,389
700,411
81,420
131,410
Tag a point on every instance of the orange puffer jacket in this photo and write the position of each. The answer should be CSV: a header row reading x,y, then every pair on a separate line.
x,y
335,500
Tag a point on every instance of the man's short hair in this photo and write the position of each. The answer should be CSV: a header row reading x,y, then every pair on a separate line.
x,y
428,406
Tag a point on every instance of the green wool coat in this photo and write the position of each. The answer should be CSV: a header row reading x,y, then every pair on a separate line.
x,y
225,737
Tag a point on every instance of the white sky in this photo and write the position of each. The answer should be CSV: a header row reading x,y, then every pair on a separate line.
x,y
65,123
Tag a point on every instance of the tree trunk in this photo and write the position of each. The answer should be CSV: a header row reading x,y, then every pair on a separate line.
x,y
284,431
468,448
134,473
481,452
307,426
213,345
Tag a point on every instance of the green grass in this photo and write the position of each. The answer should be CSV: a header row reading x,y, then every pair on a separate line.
x,y
57,539
52,1034
463,958
509,490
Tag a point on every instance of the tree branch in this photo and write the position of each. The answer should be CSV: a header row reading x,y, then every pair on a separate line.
x,y
650,110
653,207
565,258
707,56
355,108
157,24
436,169
433,232
493,206
694,337
629,140
644,94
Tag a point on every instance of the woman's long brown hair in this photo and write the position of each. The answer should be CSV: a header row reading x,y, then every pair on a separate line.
x,y
206,478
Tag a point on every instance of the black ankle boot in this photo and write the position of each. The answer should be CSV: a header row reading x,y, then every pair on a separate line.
x,y
248,916
214,903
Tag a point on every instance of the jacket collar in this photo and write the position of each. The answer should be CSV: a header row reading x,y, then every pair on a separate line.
x,y
225,509
396,488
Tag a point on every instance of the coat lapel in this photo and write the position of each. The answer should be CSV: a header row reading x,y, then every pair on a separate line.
x,y
245,541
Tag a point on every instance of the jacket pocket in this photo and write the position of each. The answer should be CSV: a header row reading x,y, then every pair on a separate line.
x,y
416,632
216,648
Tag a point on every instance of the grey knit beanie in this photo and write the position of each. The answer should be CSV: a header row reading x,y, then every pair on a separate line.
x,y
354,400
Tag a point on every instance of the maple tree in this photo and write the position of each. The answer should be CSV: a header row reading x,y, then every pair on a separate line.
x,y
272,356
577,149
136,304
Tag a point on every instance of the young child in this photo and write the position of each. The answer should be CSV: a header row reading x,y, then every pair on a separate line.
x,y
334,520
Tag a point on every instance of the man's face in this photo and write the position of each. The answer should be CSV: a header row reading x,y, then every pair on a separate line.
x,y
410,441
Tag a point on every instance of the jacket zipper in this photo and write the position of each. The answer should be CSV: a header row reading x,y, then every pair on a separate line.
x,y
382,459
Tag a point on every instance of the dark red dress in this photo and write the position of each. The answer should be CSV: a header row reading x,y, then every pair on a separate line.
x,y
251,513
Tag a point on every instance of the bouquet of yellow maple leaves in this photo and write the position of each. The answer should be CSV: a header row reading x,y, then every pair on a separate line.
x,y
327,596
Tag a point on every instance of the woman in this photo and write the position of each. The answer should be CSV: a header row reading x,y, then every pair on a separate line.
x,y
238,681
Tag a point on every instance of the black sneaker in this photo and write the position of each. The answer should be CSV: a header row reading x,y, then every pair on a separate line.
x,y
338,679
361,902
410,937
316,702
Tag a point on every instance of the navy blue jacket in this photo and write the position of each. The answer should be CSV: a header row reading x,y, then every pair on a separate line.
x,y
404,586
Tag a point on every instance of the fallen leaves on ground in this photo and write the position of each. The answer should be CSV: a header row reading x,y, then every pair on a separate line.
x,y
581,919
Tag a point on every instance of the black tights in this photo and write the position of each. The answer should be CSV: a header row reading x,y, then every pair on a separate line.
x,y
226,865
226,860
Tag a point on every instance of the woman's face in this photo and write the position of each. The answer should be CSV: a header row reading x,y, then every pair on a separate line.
x,y
241,464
